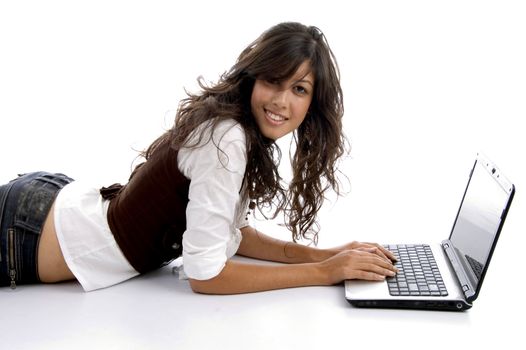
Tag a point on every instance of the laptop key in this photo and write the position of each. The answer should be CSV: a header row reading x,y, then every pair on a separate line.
x,y
433,287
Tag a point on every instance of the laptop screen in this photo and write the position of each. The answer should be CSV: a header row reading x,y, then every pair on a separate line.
x,y
479,218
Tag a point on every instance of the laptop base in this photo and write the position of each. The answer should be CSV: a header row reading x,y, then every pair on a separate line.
x,y
446,305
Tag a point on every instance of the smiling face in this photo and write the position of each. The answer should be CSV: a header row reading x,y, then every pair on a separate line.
x,y
279,107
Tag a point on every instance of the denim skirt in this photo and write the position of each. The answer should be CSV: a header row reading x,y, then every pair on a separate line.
x,y
24,206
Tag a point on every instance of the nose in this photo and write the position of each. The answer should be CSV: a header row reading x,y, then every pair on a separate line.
x,y
279,98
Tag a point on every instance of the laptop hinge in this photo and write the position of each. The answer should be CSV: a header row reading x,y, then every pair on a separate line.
x,y
464,282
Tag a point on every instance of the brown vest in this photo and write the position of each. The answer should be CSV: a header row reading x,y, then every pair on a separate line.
x,y
147,216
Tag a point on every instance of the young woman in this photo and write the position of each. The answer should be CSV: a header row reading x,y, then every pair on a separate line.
x,y
198,184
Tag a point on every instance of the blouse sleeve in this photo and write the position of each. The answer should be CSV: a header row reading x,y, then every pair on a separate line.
x,y
216,175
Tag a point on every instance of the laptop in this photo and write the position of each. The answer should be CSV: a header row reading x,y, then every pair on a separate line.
x,y
446,275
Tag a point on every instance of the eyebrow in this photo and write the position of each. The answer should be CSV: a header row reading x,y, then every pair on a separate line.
x,y
304,81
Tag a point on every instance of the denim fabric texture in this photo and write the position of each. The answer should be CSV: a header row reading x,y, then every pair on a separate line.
x,y
24,205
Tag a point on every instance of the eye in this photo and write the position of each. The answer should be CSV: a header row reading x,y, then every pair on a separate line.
x,y
300,90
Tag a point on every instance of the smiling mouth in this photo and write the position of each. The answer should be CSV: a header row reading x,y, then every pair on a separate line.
x,y
275,118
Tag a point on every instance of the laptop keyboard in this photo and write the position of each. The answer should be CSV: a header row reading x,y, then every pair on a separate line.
x,y
418,272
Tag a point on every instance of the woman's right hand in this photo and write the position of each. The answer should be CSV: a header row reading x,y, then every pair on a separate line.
x,y
360,263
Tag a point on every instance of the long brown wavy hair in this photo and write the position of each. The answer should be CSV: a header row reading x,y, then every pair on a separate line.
x,y
275,56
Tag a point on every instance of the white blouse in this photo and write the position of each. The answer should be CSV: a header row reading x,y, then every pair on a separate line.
x,y
215,210
215,213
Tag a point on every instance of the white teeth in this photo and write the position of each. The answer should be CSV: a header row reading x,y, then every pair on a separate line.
x,y
275,117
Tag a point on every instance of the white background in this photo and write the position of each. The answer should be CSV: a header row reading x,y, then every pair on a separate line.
x,y
427,85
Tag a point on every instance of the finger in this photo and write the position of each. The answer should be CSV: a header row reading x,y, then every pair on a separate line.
x,y
385,251
383,263
368,276
389,254
378,252
366,259
377,269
